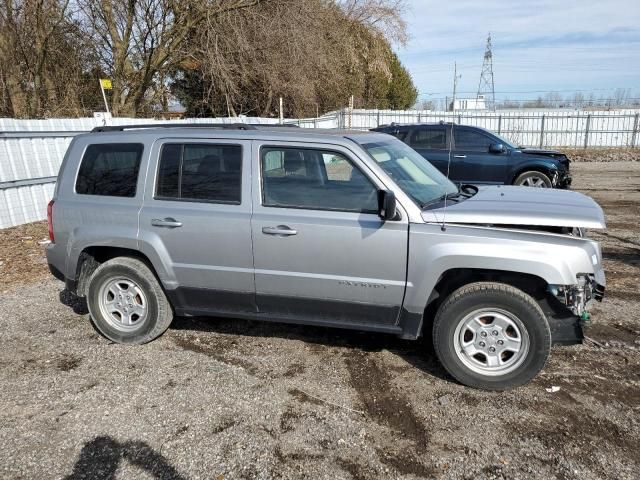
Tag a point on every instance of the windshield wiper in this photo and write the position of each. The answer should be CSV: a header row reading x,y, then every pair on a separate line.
x,y
464,191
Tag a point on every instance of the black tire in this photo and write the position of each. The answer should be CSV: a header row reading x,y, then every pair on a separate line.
x,y
525,179
158,313
476,297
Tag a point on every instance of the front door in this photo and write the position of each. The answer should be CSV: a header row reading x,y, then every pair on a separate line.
x,y
321,253
472,162
196,218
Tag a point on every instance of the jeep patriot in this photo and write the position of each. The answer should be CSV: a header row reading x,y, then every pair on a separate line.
x,y
321,227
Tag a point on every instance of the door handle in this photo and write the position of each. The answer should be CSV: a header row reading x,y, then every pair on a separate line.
x,y
459,156
166,222
280,231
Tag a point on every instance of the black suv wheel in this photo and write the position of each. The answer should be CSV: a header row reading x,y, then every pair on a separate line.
x,y
533,179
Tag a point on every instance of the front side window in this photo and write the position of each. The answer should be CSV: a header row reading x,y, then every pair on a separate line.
x,y
428,138
314,179
200,172
110,169
471,141
411,171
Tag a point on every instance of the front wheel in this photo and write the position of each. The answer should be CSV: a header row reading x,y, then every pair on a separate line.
x,y
533,179
491,336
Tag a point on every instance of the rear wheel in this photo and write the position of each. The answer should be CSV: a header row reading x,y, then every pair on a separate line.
x,y
127,303
533,179
491,336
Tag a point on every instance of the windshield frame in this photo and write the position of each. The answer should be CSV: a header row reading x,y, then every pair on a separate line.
x,y
393,147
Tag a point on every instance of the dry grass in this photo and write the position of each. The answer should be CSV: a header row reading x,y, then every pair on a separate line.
x,y
22,256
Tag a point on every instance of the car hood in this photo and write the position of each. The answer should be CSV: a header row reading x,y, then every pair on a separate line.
x,y
544,153
507,205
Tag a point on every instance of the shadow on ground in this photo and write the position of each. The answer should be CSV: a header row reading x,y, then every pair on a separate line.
x,y
418,353
100,458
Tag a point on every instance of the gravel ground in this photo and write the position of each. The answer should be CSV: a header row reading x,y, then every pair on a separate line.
x,y
222,399
603,154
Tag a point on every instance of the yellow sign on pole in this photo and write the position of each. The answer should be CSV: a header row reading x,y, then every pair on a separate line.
x,y
105,83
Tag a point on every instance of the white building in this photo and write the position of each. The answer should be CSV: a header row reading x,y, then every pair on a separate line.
x,y
470,103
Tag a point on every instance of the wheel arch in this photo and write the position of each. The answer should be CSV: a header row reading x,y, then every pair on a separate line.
x,y
548,170
91,257
453,278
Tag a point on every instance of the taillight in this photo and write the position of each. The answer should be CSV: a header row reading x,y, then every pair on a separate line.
x,y
50,220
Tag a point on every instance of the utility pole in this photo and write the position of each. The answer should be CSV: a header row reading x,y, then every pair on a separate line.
x,y
486,88
455,86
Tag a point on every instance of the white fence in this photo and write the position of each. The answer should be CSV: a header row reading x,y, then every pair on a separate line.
x,y
549,128
31,151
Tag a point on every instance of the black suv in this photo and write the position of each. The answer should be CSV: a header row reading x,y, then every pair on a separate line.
x,y
479,156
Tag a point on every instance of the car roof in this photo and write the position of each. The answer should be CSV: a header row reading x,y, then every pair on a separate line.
x,y
427,124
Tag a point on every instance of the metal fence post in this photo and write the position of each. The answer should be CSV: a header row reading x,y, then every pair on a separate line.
x,y
378,118
634,134
459,119
499,124
542,131
586,131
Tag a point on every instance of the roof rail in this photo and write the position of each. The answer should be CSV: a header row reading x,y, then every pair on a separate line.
x,y
224,126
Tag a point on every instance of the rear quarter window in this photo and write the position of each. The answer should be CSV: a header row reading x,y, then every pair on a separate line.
x,y
110,169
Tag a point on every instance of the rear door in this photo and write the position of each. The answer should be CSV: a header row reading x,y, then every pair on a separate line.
x,y
472,162
321,252
196,220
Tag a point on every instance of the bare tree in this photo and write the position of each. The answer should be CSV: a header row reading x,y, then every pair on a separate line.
x,y
140,41
237,56
41,57
311,53
385,16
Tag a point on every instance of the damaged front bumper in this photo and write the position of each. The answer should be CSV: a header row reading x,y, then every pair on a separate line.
x,y
566,308
580,296
561,179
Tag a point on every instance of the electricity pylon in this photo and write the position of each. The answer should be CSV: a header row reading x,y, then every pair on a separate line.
x,y
486,87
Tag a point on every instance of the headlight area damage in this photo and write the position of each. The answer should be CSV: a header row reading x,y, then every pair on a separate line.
x,y
578,297
566,308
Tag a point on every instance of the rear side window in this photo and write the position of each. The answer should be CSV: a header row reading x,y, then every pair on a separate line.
x,y
432,138
110,169
200,172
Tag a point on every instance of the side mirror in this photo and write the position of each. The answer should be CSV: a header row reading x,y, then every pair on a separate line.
x,y
386,204
497,148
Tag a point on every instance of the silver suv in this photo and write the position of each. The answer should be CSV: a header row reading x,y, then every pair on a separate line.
x,y
319,227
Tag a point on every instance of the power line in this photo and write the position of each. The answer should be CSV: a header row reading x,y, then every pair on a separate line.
x,y
536,91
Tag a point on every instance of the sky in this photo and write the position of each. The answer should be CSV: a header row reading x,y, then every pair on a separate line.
x,y
538,46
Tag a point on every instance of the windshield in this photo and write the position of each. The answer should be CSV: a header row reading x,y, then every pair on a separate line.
x,y
411,171
504,140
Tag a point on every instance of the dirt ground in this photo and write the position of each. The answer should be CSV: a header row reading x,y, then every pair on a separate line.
x,y
229,399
